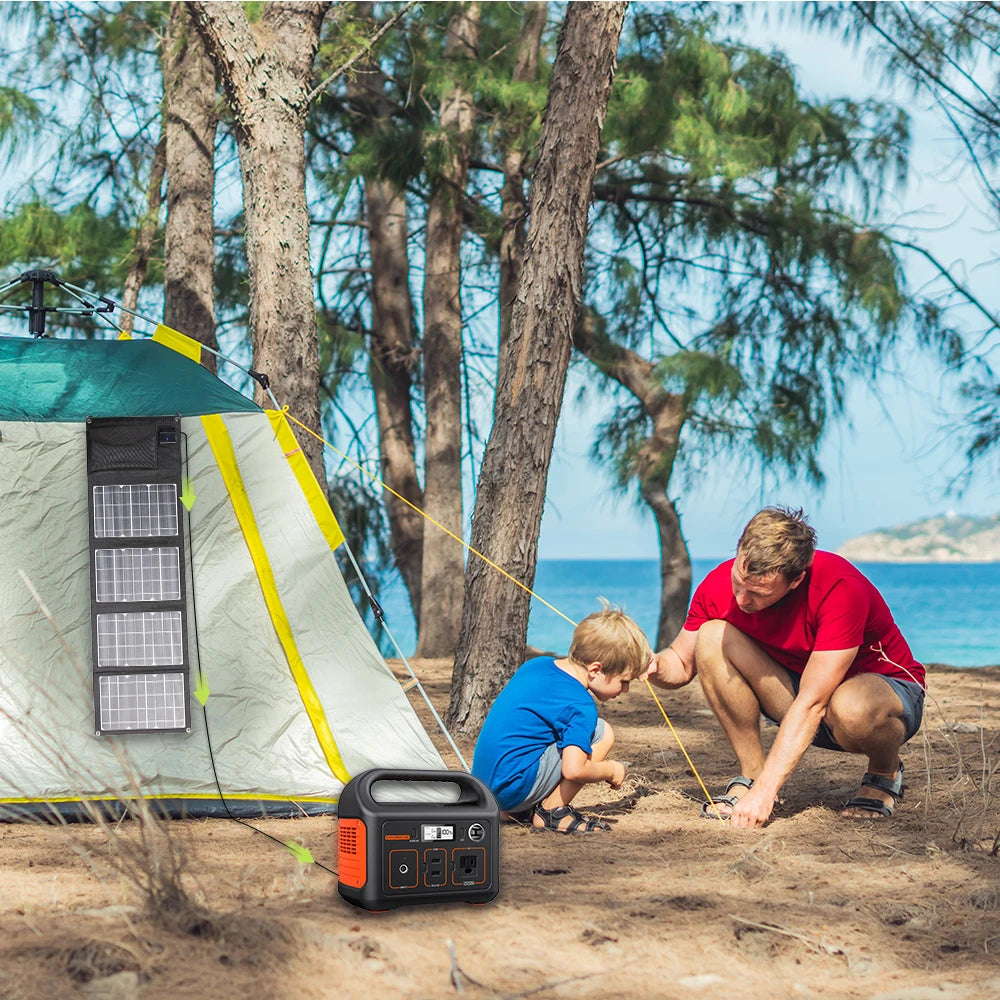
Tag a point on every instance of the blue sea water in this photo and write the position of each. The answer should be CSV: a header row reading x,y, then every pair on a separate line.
x,y
949,613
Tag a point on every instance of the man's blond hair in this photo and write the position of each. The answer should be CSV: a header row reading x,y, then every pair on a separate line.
x,y
609,637
777,540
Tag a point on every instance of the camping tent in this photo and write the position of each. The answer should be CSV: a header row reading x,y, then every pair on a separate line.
x,y
120,607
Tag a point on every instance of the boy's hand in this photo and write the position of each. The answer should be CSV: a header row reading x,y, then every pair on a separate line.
x,y
617,774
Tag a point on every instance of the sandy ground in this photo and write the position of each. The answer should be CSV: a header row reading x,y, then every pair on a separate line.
x,y
666,905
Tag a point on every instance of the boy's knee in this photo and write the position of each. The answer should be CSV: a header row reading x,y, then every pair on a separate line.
x,y
608,736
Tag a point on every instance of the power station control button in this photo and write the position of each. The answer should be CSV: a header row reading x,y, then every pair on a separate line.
x,y
403,870
477,831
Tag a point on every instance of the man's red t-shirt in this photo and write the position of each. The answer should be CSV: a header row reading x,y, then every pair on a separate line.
x,y
834,607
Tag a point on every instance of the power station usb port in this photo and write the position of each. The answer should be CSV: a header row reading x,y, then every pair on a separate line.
x,y
435,867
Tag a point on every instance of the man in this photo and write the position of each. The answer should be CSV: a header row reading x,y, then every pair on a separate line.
x,y
803,637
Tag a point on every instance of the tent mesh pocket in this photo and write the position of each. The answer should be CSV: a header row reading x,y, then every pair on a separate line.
x,y
122,447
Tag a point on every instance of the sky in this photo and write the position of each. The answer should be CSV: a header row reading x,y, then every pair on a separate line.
x,y
895,461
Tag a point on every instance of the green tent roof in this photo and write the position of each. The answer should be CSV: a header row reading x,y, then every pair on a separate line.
x,y
70,380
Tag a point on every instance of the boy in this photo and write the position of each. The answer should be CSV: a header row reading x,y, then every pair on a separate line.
x,y
542,740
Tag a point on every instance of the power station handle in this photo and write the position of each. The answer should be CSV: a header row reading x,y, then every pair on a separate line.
x,y
471,789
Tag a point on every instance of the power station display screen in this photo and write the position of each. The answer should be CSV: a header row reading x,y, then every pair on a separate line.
x,y
437,833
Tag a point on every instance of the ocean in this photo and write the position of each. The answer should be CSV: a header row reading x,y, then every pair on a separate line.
x,y
948,613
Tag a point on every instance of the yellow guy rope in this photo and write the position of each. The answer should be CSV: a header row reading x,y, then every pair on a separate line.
x,y
489,562
424,514
708,797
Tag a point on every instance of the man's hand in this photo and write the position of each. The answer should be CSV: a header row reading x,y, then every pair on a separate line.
x,y
617,774
753,809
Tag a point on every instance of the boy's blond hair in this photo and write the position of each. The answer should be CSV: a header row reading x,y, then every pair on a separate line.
x,y
609,637
777,540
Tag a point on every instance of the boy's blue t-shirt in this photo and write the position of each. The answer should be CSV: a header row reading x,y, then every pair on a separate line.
x,y
539,706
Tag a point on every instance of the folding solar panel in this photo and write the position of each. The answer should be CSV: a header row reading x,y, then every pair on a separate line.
x,y
138,610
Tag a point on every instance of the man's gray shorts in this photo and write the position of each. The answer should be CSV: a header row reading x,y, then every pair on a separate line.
x,y
910,694
550,772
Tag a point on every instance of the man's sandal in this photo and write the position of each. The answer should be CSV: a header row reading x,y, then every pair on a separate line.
x,y
551,818
894,786
729,800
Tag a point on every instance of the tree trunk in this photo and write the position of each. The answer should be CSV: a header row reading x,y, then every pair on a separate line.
x,y
392,367
675,563
443,563
533,363
514,203
264,68
653,464
190,123
392,355
145,236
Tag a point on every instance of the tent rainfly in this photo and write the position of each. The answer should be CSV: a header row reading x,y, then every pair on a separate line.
x,y
123,611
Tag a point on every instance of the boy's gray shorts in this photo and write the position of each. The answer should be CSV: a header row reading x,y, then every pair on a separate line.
x,y
550,772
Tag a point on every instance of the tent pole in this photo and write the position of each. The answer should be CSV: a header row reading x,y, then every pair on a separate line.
x,y
377,609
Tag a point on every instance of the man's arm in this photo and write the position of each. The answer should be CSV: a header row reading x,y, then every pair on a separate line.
x,y
824,671
674,666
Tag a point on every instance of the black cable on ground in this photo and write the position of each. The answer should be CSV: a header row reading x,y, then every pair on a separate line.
x,y
204,708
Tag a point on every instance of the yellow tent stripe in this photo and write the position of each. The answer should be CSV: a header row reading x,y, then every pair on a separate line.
x,y
201,796
314,495
179,342
225,457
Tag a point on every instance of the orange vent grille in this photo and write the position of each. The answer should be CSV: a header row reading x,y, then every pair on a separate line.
x,y
348,840
352,851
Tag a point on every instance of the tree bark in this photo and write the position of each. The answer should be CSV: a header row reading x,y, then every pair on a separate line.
x,y
145,236
513,201
264,68
533,363
653,466
443,563
191,119
392,354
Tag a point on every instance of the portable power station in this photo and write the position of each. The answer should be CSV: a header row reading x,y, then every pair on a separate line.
x,y
396,853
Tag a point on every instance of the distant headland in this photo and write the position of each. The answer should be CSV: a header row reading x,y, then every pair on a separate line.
x,y
944,538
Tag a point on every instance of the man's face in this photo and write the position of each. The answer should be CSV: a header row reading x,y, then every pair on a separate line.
x,y
755,593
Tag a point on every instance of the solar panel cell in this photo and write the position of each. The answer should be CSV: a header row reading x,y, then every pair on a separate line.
x,y
141,510
148,574
128,702
140,639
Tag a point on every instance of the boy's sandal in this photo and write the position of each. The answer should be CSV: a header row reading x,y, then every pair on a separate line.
x,y
729,800
894,786
551,818
523,817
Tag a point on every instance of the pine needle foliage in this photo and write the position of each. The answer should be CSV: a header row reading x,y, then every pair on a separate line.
x,y
754,282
